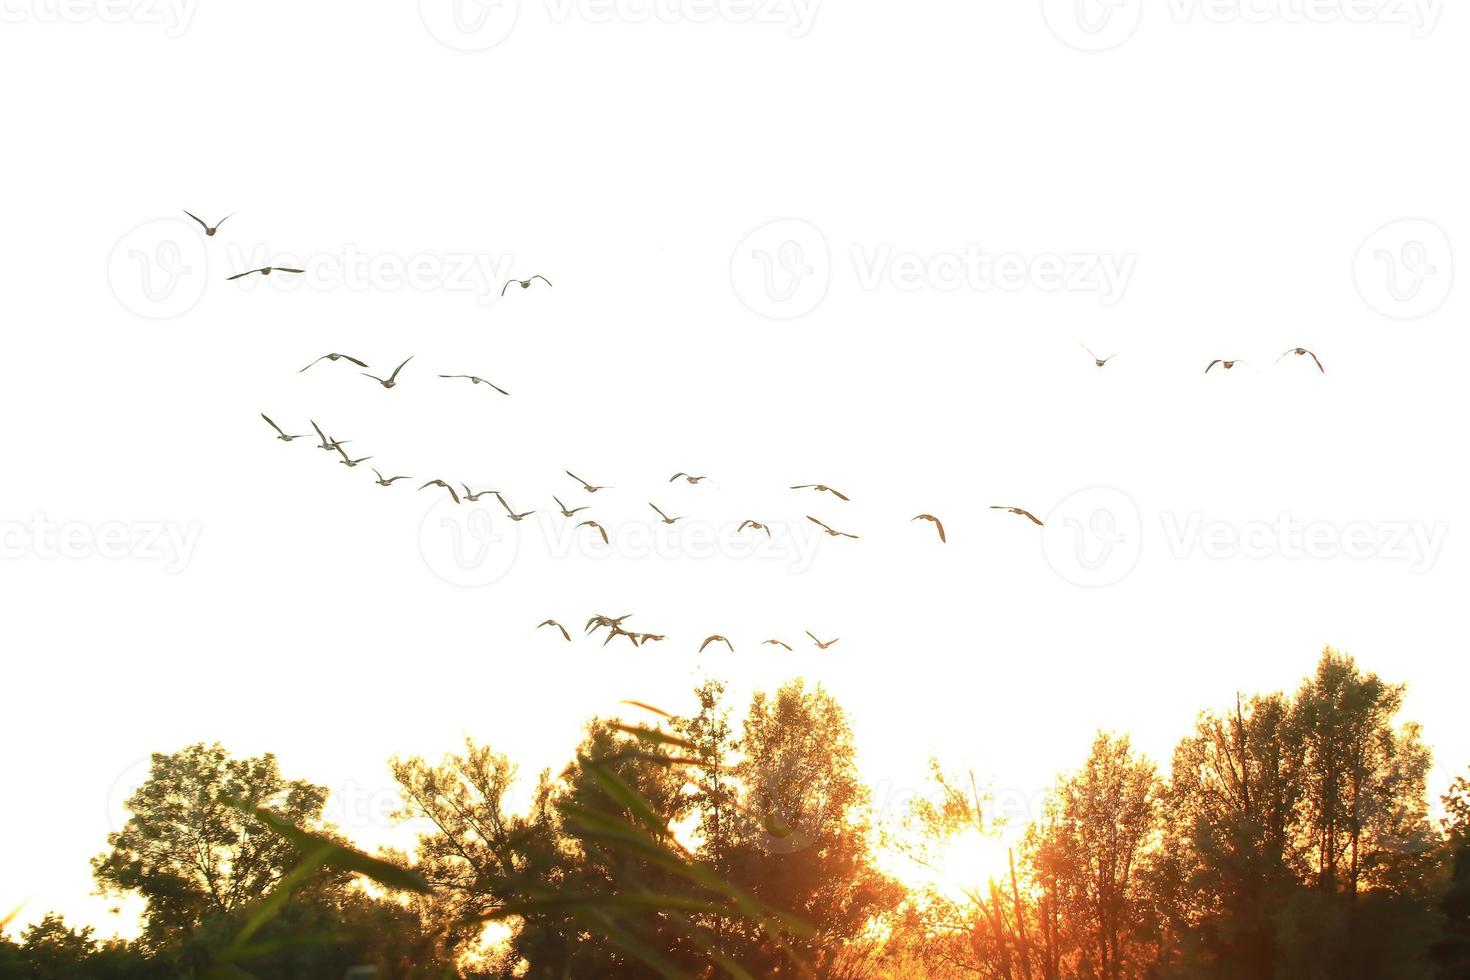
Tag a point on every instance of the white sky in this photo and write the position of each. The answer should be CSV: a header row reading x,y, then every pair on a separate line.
x,y
1235,169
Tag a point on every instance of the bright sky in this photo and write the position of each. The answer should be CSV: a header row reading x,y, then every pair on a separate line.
x,y
1248,186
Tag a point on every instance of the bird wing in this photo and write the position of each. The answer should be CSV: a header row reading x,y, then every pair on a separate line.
x,y
707,642
196,218
1318,363
272,424
544,279
322,358
241,275
818,523
399,367
1212,364
497,387
1026,513
353,360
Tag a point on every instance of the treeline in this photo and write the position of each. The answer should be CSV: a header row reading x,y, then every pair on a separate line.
x,y
1290,838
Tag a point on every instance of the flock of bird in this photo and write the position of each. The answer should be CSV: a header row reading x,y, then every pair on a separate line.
x,y
465,494
614,626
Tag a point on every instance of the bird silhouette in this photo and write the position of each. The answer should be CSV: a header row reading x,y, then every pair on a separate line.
x,y
830,531
1099,361
1303,352
599,621
264,271
477,381
472,496
392,378
334,357
1227,365
716,639
281,432
440,483
754,526
688,478
938,525
777,643
1019,510
513,515
819,643
565,510
598,528
208,230
330,445
821,488
564,633
641,638
348,460
390,480
524,283
664,518
585,485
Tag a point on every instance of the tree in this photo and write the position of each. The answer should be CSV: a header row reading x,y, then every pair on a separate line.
x,y
1087,851
190,854
1232,818
802,842
1452,952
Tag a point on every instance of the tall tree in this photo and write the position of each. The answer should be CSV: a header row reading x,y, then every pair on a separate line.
x,y
190,854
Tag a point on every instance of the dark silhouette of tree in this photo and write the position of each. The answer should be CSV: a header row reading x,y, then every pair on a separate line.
x,y
1451,953
190,854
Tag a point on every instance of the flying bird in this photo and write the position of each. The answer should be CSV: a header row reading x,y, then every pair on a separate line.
x,y
565,510
513,515
821,488
1227,365
754,526
777,643
938,525
392,378
1303,352
598,528
334,357
348,460
688,478
524,283
819,643
264,270
599,621
440,483
716,639
585,485
1019,510
471,496
209,231
330,445
564,633
1099,361
477,381
390,480
618,631
830,532
666,519
282,434
641,638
